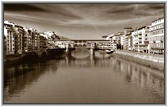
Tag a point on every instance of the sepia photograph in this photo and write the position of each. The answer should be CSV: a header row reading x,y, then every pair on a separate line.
x,y
83,53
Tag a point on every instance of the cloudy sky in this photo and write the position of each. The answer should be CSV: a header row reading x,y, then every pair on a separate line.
x,y
82,21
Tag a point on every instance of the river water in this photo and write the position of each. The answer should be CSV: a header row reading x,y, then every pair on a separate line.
x,y
87,80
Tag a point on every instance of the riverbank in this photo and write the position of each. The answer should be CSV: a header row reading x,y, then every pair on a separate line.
x,y
10,60
153,61
16,59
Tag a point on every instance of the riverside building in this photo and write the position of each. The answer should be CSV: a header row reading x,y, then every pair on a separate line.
x,y
20,40
140,39
113,39
157,36
43,41
125,37
9,38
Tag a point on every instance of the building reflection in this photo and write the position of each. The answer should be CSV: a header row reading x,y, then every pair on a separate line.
x,y
142,76
18,77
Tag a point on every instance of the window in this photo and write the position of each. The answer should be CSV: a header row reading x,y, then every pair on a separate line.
x,y
162,30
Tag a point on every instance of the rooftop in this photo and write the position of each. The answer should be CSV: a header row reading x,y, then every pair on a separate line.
x,y
141,27
158,19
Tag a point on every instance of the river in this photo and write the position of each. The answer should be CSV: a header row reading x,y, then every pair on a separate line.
x,y
86,80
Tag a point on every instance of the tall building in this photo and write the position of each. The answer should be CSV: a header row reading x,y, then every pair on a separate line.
x,y
5,44
125,37
116,38
157,36
135,40
25,40
52,38
113,39
121,39
140,39
130,42
9,38
35,39
43,41
30,34
19,39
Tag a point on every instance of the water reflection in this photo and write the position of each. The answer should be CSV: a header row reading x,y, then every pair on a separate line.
x,y
18,78
143,77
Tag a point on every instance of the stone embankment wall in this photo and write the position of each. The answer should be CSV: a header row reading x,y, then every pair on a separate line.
x,y
153,61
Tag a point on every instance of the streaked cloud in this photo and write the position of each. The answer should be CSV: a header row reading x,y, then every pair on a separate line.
x,y
22,7
74,20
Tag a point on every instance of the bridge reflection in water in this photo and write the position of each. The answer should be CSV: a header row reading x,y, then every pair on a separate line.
x,y
89,80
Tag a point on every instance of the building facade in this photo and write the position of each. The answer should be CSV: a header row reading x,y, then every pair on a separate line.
x,y
157,36
113,39
19,40
9,38
125,37
140,38
43,42
35,40
130,42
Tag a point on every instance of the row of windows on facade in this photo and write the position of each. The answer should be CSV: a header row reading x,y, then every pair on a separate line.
x,y
161,45
144,41
26,38
160,26
160,31
158,21
157,38
25,44
141,38
140,35
153,42
28,34
20,48
156,42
